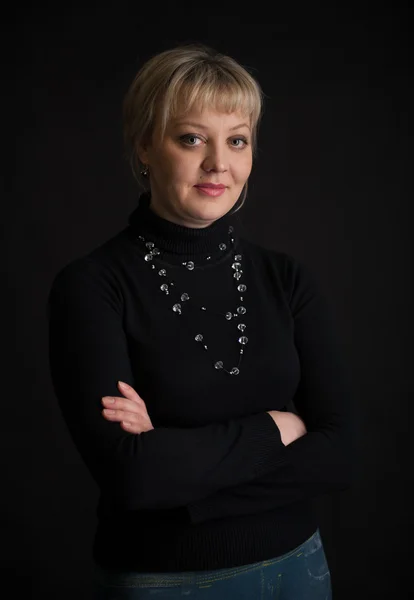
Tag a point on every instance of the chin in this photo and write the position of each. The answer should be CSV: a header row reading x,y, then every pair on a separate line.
x,y
209,210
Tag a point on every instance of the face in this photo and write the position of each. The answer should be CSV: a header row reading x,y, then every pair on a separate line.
x,y
201,147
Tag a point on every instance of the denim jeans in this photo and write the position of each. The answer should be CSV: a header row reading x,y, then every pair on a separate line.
x,y
301,574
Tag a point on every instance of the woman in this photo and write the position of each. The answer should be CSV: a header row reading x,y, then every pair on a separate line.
x,y
236,408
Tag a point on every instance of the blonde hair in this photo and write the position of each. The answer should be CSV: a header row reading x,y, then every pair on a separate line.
x,y
183,76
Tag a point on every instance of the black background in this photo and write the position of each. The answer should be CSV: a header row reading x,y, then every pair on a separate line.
x,y
330,186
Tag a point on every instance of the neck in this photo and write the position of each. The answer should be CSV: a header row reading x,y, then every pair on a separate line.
x,y
162,212
178,242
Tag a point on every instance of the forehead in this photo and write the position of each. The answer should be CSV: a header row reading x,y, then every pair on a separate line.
x,y
210,117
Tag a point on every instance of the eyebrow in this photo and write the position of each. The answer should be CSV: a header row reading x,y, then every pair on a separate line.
x,y
200,126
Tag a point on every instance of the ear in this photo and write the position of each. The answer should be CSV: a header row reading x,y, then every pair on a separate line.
x,y
142,153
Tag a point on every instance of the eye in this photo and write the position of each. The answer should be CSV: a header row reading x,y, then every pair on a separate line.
x,y
240,139
188,139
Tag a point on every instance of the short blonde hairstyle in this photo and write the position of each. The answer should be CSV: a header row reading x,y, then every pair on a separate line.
x,y
182,77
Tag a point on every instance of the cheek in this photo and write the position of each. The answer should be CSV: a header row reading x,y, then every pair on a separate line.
x,y
244,168
181,166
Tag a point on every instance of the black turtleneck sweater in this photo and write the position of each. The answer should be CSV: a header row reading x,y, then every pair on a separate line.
x,y
212,485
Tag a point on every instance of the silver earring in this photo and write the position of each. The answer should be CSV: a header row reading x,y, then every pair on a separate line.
x,y
145,171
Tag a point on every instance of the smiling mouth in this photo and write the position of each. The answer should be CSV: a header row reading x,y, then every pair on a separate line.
x,y
215,186
211,191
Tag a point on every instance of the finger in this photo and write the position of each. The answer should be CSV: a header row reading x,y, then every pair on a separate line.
x,y
134,427
116,403
128,427
121,415
128,421
129,392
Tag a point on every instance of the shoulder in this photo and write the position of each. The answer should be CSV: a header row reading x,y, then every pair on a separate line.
x,y
93,276
296,277
290,268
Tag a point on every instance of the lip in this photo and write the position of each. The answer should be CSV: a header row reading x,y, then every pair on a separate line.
x,y
215,186
211,190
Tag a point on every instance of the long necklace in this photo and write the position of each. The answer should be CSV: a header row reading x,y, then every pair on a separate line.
x,y
177,307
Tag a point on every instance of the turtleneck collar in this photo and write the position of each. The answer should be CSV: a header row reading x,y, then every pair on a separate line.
x,y
173,239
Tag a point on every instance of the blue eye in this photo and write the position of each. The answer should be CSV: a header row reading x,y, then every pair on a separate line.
x,y
184,138
240,139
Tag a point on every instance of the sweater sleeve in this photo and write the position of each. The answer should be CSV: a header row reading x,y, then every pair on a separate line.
x,y
321,461
161,468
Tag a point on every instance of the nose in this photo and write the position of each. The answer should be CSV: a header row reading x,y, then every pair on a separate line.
x,y
215,161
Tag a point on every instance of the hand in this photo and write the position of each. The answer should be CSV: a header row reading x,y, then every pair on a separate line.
x,y
130,411
290,425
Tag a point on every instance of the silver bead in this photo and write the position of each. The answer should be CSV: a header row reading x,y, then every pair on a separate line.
x,y
241,310
231,229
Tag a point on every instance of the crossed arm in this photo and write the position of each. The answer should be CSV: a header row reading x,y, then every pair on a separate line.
x,y
131,412
253,463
